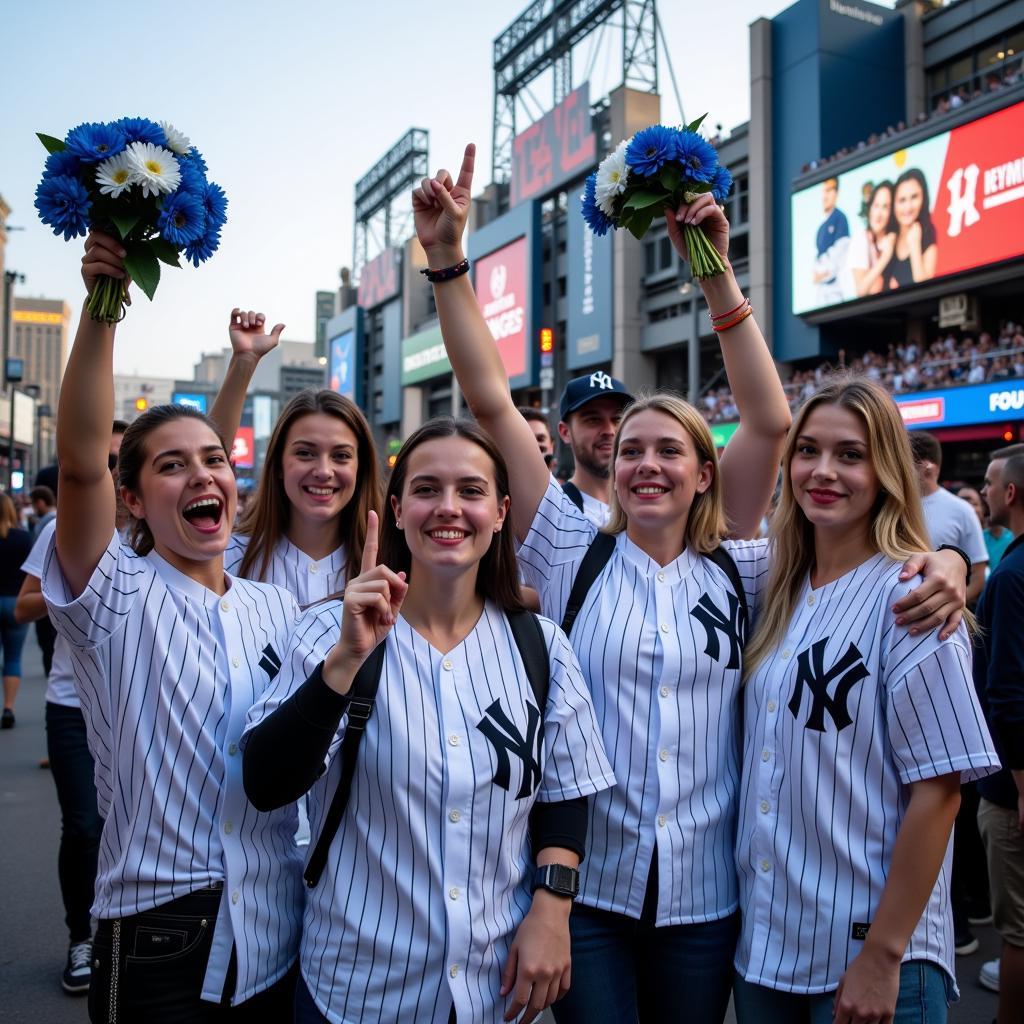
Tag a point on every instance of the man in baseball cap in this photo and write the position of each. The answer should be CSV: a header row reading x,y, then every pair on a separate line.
x,y
589,415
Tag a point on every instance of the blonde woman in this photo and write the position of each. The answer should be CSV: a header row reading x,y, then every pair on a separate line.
x,y
15,545
857,735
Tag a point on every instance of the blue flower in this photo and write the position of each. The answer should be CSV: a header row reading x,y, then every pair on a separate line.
x,y
182,219
63,203
650,149
216,203
94,142
62,163
194,154
141,129
697,156
192,178
203,248
721,183
596,219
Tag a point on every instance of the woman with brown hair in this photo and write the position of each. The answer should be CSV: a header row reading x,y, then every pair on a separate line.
x,y
15,545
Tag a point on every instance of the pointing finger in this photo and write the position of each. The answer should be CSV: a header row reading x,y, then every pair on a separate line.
x,y
370,547
466,173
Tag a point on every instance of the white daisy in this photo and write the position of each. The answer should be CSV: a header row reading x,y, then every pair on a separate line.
x,y
178,141
154,168
612,174
114,175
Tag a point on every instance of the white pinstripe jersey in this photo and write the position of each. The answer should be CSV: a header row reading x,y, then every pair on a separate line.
x,y
841,718
429,874
659,649
307,579
166,671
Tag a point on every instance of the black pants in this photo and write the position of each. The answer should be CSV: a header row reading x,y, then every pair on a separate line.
x,y
80,822
969,882
46,636
150,968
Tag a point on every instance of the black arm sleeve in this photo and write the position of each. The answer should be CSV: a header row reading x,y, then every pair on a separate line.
x,y
284,754
563,823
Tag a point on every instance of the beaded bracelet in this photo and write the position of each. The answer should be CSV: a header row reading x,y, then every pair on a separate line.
x,y
748,311
446,274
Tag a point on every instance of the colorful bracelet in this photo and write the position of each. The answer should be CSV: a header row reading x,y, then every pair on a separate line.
x,y
748,311
447,274
715,317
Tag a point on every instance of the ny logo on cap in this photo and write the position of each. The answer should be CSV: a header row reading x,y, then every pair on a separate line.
x,y
601,380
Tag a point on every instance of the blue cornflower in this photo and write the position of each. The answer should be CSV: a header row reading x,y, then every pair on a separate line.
x,y
62,163
598,221
216,203
697,156
141,129
194,154
721,183
95,141
182,218
200,250
650,149
63,203
192,177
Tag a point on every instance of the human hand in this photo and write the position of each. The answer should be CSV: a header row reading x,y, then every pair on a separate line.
x,y
537,971
248,337
440,211
709,215
887,247
104,257
941,597
914,235
868,990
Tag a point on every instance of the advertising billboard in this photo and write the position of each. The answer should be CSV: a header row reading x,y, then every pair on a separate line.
x,y
997,402
555,149
950,203
342,364
424,357
501,292
195,400
588,296
243,449
381,278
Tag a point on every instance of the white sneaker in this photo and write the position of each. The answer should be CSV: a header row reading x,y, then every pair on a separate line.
x,y
989,975
78,970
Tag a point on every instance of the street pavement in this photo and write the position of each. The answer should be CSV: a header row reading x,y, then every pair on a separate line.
x,y
34,942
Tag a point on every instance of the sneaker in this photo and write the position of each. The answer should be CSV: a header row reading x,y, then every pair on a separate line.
x,y
7,719
965,943
78,969
989,975
980,919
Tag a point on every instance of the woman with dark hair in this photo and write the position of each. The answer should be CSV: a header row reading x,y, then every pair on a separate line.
x,y
915,252
198,894
871,250
15,545
424,910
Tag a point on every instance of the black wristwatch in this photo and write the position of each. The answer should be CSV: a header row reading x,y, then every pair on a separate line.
x,y
962,554
559,879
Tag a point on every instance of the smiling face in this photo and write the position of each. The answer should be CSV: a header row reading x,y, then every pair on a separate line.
x,y
186,491
880,211
319,465
449,508
908,202
658,471
590,432
833,478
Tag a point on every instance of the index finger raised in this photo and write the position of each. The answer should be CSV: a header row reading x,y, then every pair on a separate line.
x,y
370,547
466,171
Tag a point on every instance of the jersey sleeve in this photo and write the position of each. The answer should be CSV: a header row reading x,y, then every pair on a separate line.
x,y
102,608
575,763
36,561
752,562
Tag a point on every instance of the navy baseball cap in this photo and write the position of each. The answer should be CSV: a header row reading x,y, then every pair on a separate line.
x,y
581,390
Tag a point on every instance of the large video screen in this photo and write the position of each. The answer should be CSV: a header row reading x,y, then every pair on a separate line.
x,y
501,295
947,204
343,364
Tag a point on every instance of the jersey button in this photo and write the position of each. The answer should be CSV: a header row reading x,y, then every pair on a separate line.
x,y
235,662
661,820
453,740
234,896
314,568
228,828
786,654
664,691
224,606
664,627
765,807
771,705
765,866
810,600
454,816
663,755
232,749
453,893
765,755
454,970
447,664
661,577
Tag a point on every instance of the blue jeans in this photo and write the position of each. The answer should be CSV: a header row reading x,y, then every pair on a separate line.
x,y
922,1000
627,970
12,637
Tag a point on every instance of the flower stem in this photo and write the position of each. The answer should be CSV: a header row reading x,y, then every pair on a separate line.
x,y
705,261
106,301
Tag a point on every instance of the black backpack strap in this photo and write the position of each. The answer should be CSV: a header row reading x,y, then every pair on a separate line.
x,y
533,650
574,493
360,707
596,558
721,557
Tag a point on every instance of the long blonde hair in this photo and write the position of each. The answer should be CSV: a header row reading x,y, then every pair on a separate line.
x,y
897,526
705,524
8,515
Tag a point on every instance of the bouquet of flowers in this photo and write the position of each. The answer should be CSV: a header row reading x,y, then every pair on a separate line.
x,y
658,168
140,181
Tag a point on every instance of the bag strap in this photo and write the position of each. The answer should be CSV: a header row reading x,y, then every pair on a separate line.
x,y
721,557
574,493
533,650
360,707
596,558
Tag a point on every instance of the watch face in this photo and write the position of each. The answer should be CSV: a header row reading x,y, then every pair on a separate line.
x,y
560,879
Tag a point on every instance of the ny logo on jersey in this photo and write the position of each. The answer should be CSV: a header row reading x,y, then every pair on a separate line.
x,y
506,738
270,662
733,626
849,670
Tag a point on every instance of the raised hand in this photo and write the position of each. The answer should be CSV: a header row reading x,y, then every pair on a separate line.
x,y
709,215
441,208
370,609
248,336
104,257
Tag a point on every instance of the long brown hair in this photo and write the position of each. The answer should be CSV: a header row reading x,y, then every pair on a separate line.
x,y
8,515
266,519
497,577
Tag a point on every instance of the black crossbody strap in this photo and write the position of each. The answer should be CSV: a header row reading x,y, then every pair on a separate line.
x,y
534,651
596,558
361,698
574,493
721,557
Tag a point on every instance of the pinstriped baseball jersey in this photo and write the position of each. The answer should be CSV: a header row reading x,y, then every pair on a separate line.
x,y
307,579
429,874
166,671
841,718
660,650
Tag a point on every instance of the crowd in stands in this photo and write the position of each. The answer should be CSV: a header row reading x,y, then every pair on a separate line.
x,y
950,360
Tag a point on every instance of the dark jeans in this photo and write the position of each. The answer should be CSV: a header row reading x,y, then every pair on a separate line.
x,y
307,1012
625,970
80,822
46,637
150,968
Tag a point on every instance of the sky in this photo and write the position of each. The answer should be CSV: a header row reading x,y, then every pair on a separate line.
x,y
290,103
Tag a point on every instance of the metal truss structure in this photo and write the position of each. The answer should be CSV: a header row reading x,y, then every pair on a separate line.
x,y
383,214
543,38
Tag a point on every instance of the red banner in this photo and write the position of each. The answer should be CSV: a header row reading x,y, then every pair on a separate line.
x,y
380,279
243,453
501,294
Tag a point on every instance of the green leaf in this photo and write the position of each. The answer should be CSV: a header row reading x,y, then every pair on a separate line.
x,y
143,266
52,145
670,176
694,125
640,222
165,252
124,222
642,200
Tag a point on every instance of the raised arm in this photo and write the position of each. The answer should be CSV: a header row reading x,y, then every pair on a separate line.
x,y
750,464
249,344
441,209
85,498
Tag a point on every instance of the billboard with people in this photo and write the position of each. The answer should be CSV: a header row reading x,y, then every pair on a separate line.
x,y
950,203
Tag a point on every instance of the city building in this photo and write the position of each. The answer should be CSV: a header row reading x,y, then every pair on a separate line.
x,y
133,394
